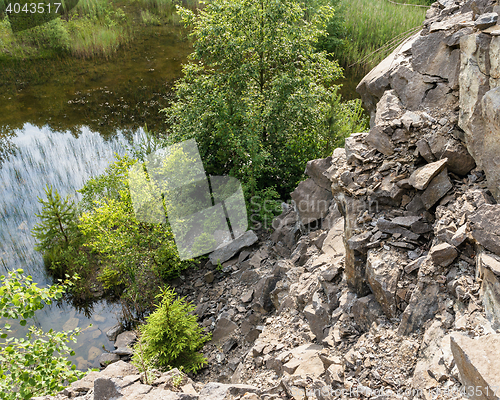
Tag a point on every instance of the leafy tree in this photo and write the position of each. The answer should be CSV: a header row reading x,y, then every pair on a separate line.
x,y
35,365
171,336
256,94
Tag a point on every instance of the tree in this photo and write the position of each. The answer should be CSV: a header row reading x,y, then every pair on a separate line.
x,y
256,94
35,365
171,336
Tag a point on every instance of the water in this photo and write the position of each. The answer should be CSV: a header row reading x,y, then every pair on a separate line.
x,y
62,122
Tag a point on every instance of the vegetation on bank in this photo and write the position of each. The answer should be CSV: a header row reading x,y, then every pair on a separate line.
x,y
93,28
35,365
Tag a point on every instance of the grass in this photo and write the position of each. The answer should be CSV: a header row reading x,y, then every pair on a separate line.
x,y
374,24
94,28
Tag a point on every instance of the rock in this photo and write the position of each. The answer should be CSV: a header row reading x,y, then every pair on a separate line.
x,y
113,332
262,293
124,351
106,389
423,306
378,139
311,201
443,254
438,187
390,227
315,170
220,391
366,310
223,329
486,20
359,242
459,236
318,317
125,339
488,268
209,277
229,250
382,274
162,394
334,375
477,361
71,324
355,146
422,177
406,221
460,162
485,224
312,368
388,108
119,369
411,120
425,151
108,358
300,355
247,296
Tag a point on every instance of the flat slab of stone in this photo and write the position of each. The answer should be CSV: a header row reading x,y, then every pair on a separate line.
x,y
477,361
221,391
223,329
486,20
381,141
485,223
421,178
387,226
228,251
438,187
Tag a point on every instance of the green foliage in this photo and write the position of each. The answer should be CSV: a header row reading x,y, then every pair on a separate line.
x,y
35,365
171,337
57,233
256,93
264,206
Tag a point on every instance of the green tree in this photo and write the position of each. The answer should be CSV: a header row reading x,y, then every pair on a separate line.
x,y
171,337
35,365
256,94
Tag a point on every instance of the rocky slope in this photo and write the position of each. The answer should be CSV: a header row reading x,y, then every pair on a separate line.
x,y
383,280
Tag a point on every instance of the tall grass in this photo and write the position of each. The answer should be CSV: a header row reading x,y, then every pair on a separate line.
x,y
374,24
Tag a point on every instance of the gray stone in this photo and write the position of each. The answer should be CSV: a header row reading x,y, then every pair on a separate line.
x,y
422,177
425,151
390,227
311,201
229,250
477,361
486,20
378,139
124,351
262,293
220,391
485,224
315,170
460,161
411,120
223,329
432,56
119,369
318,317
359,242
411,89
106,389
422,307
459,236
209,277
407,222
71,324
355,146
125,339
488,267
388,108
113,332
366,310
438,187
247,296
443,254
382,274
108,358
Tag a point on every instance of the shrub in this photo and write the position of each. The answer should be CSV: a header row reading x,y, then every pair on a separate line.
x,y
35,365
171,337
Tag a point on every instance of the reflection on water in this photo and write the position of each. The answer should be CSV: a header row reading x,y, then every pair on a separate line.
x,y
65,161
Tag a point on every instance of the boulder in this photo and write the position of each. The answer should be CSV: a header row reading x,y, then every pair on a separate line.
x,y
317,315
223,329
311,201
108,358
106,389
125,339
488,267
230,249
378,139
477,361
366,310
422,306
423,176
485,225
382,274
438,187
486,20
315,170
443,254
